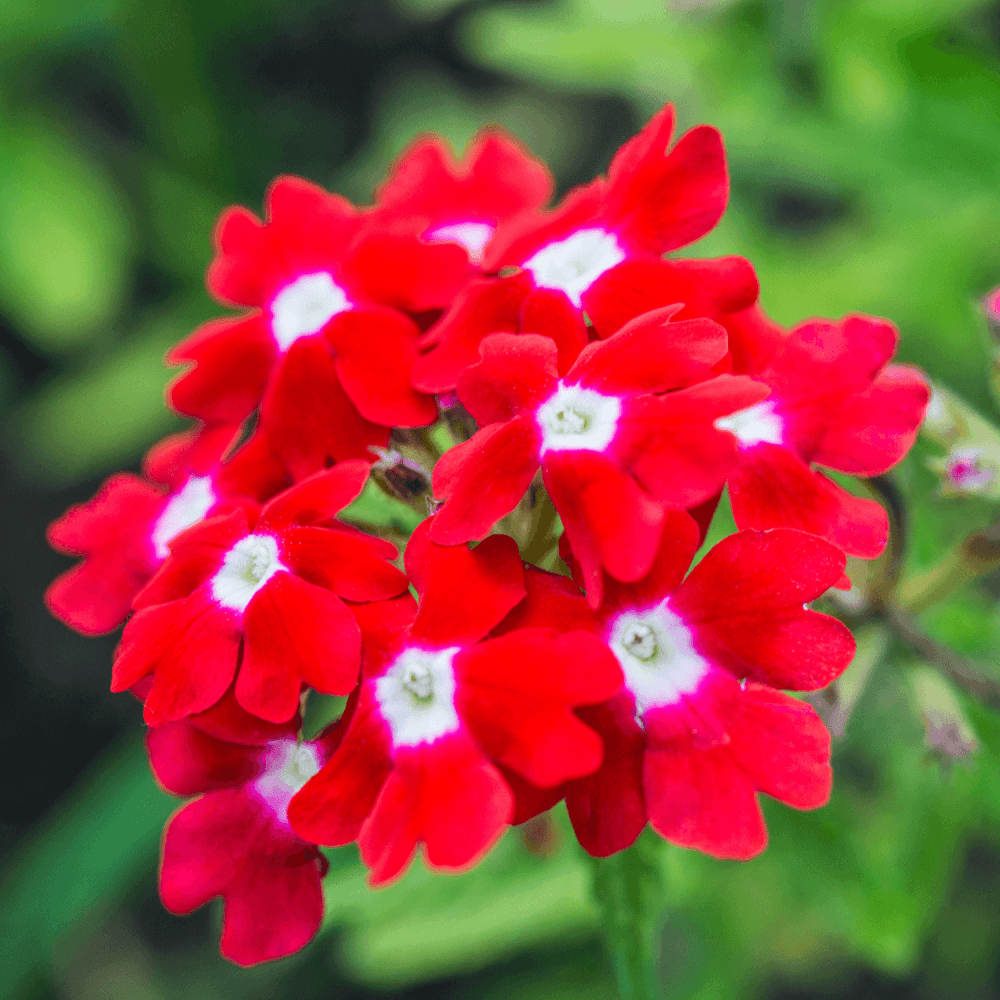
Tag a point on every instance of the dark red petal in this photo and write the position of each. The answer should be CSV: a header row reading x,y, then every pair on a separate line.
x,y
308,419
650,354
333,805
233,361
639,284
514,373
744,605
772,487
702,799
482,307
529,800
187,761
484,478
374,350
295,632
227,721
317,497
463,593
782,745
552,601
754,339
254,470
875,428
609,520
549,312
341,562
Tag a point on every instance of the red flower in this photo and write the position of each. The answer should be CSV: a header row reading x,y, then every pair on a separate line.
x,y
835,401
328,346
124,531
267,595
438,709
698,729
234,840
464,202
597,256
614,456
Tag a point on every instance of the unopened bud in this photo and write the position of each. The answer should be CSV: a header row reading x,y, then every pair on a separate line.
x,y
949,732
403,477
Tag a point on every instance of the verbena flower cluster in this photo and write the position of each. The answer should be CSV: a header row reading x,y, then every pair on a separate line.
x,y
512,371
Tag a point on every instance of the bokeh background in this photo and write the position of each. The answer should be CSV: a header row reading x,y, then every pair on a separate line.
x,y
864,144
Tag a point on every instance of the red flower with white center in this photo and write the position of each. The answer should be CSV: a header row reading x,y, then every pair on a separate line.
x,y
267,595
464,202
124,531
439,709
835,401
597,256
326,350
234,840
698,729
614,456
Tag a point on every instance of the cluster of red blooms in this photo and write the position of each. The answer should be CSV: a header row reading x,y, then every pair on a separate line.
x,y
574,366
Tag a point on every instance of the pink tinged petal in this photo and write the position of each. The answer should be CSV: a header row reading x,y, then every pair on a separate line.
x,y
608,808
611,522
660,202
295,633
484,479
772,487
874,429
306,417
317,497
702,799
463,593
342,563
515,373
482,307
516,694
549,312
186,760
651,354
744,605
190,646
374,349
782,745
640,284
333,806
233,361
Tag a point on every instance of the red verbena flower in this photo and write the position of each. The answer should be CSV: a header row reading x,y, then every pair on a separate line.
x,y
615,448
265,593
234,840
698,729
597,256
439,708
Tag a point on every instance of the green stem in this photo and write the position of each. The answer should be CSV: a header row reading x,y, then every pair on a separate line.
x,y
627,886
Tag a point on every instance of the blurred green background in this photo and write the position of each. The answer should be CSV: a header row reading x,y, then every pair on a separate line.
x,y
864,144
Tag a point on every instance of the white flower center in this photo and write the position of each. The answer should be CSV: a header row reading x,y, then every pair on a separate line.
x,y
472,235
305,306
288,766
572,265
417,696
578,419
248,565
186,507
657,657
754,425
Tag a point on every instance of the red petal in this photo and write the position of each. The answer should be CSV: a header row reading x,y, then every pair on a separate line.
x,y
772,487
173,459
317,497
484,478
294,633
744,600
552,601
753,339
463,593
549,312
239,240
187,761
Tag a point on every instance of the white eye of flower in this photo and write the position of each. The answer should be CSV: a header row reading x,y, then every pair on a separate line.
x,y
186,507
754,425
288,766
305,306
578,419
572,265
248,565
417,696
657,657
472,235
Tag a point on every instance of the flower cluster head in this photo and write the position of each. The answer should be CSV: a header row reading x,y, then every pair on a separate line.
x,y
563,398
